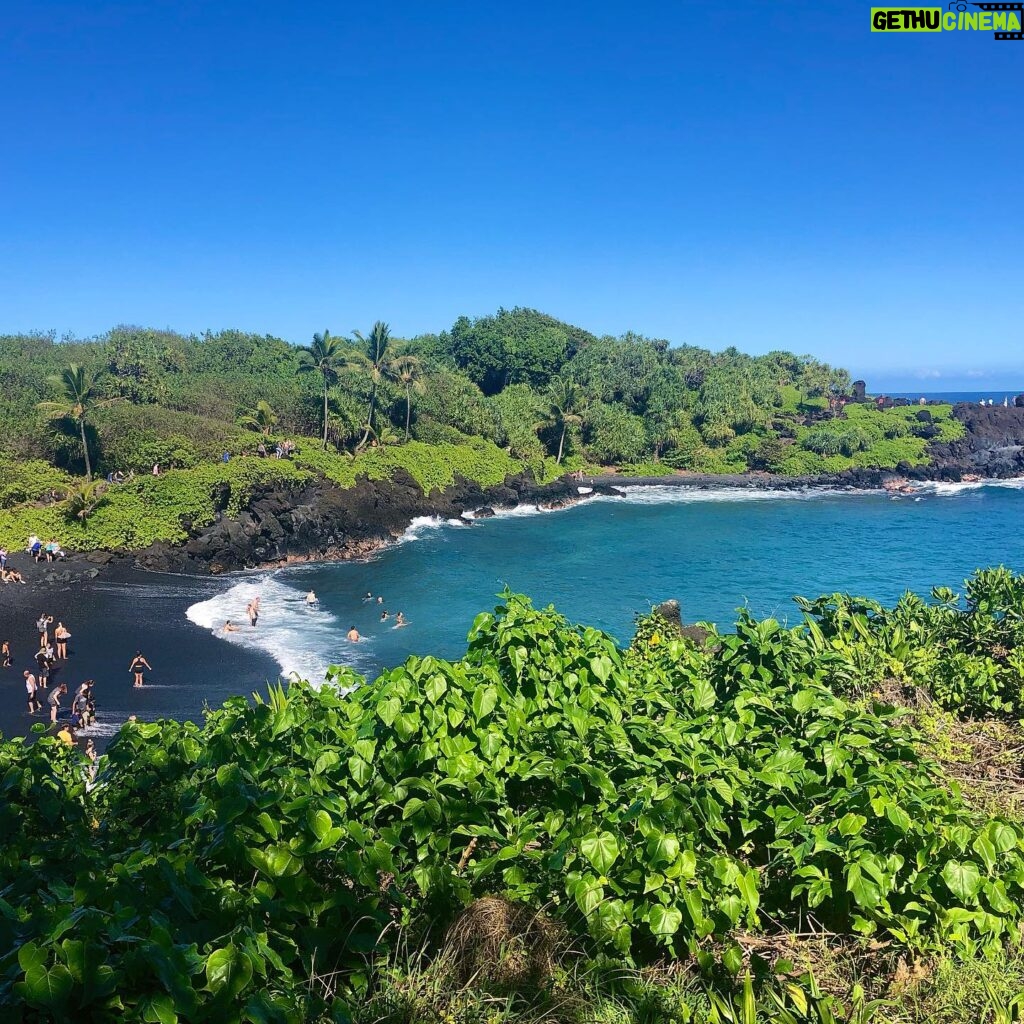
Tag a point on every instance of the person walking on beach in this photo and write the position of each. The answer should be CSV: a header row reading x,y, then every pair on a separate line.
x,y
54,700
62,636
5,654
137,668
30,689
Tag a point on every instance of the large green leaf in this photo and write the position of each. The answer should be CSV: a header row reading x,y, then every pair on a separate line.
x,y
601,849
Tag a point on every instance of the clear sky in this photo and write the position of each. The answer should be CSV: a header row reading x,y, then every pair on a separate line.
x,y
752,174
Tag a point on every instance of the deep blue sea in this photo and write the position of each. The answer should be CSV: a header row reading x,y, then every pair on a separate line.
x,y
998,396
600,563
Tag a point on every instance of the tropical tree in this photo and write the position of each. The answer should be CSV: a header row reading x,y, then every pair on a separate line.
x,y
407,373
326,356
372,361
83,498
262,419
81,395
562,408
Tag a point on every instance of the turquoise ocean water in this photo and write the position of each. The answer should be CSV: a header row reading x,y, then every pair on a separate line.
x,y
600,562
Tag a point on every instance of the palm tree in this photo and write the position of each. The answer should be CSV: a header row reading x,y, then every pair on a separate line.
x,y
81,396
372,361
262,419
83,499
564,405
407,372
326,356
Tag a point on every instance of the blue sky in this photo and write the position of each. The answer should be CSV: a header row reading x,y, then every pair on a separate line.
x,y
761,175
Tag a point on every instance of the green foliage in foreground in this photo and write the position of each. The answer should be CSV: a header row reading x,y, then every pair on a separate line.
x,y
657,802
968,658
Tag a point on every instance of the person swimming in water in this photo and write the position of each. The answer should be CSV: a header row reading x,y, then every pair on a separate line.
x,y
230,627
353,635
385,615
400,620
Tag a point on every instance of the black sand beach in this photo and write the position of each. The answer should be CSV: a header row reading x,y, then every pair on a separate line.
x,y
110,616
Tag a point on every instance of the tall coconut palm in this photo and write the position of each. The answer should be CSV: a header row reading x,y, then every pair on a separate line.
x,y
563,407
326,356
80,396
262,419
407,373
372,360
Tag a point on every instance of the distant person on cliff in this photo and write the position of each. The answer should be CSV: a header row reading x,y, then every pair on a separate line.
x,y
353,635
137,668
54,700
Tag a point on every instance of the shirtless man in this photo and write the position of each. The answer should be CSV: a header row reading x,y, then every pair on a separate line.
x,y
137,667
353,635
252,609
311,599
5,654
230,627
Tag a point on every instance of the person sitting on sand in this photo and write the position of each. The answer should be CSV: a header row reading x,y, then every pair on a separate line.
x,y
400,620
54,700
12,576
312,599
62,635
138,665
230,627
353,635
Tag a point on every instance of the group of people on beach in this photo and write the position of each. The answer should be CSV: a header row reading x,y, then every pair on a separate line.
x,y
45,694
51,550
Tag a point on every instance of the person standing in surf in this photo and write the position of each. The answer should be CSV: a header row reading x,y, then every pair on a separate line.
x,y
30,689
252,610
138,667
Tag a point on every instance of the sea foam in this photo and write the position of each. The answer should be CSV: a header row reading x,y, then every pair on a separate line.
x,y
296,636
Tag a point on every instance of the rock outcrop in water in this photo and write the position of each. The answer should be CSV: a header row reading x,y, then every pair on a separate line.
x,y
993,446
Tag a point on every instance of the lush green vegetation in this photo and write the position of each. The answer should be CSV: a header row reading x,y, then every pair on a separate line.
x,y
756,809
496,395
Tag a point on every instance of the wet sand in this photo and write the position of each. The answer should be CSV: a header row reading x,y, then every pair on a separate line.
x,y
110,616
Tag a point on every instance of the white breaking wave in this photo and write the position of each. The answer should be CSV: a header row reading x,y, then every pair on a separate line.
x,y
668,494
294,634
943,489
